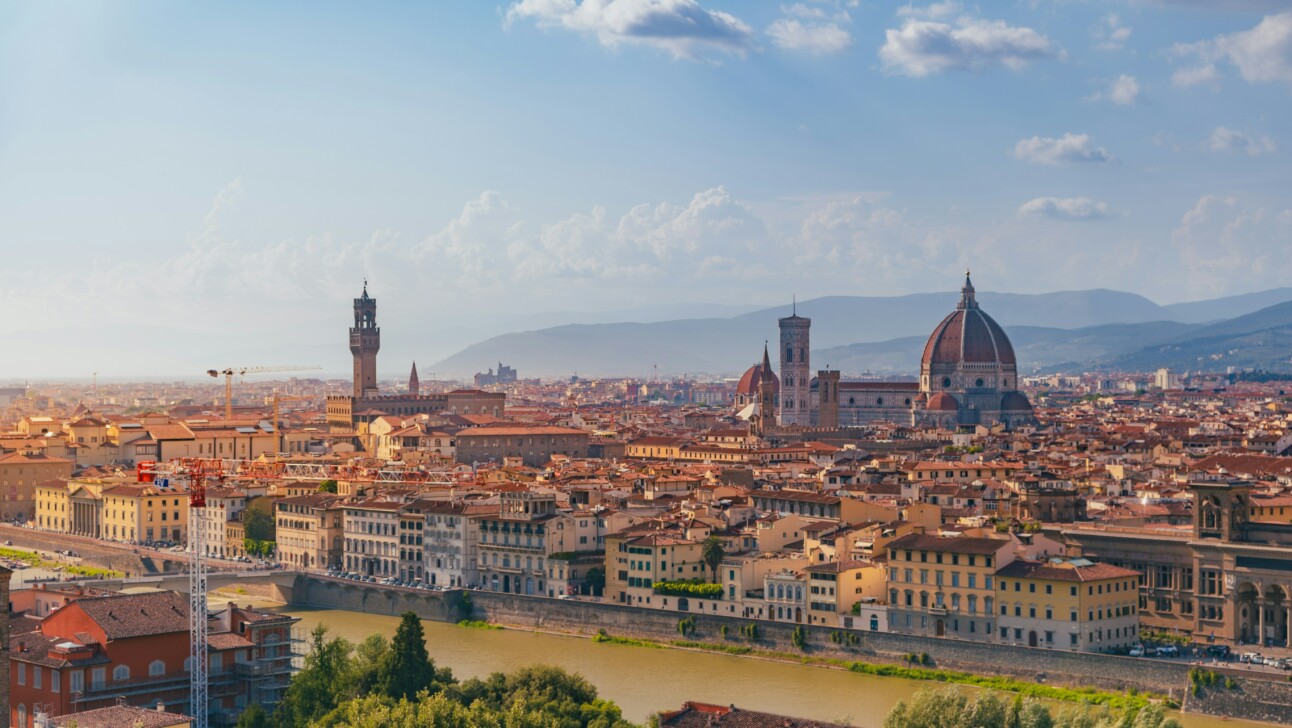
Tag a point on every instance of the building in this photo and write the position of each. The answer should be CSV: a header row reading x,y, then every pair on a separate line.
x,y
640,557
1226,581
449,542
534,445
945,586
702,715
968,376
347,413
515,543
371,532
796,372
1067,604
310,531
835,586
505,375
96,650
19,474
123,715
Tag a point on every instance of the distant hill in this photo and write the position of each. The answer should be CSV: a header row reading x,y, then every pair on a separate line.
x,y
879,333
1260,340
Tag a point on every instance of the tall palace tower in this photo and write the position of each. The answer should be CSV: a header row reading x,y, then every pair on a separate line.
x,y
365,341
796,373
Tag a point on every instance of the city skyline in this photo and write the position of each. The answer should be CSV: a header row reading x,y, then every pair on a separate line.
x,y
247,167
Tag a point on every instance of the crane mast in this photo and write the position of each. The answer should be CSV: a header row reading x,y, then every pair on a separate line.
x,y
198,623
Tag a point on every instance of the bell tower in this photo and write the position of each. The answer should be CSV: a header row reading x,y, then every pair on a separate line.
x,y
796,374
365,341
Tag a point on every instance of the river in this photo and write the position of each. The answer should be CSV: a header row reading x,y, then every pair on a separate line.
x,y
644,681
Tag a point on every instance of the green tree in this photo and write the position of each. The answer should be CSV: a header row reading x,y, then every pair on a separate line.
x,y
405,667
259,524
595,580
365,667
713,552
321,683
253,717
327,486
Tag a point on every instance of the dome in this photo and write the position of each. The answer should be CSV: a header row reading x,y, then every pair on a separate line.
x,y
969,336
748,385
1015,402
943,402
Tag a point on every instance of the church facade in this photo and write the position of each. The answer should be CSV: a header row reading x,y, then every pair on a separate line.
x,y
968,376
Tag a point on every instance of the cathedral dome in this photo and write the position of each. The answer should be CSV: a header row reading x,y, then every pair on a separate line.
x,y
748,385
943,402
968,336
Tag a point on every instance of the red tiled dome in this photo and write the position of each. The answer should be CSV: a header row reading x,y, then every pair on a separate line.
x,y
968,335
749,381
943,402
1015,402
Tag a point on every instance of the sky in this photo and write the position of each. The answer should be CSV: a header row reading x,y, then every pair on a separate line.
x,y
223,177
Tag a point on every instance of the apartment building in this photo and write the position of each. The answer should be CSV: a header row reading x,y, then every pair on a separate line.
x,y
515,543
1067,604
640,557
136,513
449,542
945,586
371,532
833,587
19,474
310,530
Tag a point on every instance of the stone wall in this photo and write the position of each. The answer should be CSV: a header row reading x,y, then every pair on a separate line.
x,y
1063,668
1250,698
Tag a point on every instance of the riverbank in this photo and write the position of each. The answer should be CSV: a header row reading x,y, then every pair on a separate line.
x,y
645,681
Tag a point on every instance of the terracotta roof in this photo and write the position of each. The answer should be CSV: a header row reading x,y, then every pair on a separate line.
x,y
122,616
122,715
702,715
1044,570
948,544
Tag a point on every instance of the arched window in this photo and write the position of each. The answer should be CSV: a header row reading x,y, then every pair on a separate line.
x,y
789,354
156,667
22,715
188,664
121,673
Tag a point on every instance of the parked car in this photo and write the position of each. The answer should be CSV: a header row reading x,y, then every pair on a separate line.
x,y
1168,651
1218,651
1137,651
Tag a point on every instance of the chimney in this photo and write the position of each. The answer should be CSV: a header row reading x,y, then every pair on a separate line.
x,y
161,707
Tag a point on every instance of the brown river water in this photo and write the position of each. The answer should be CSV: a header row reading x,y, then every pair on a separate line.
x,y
644,681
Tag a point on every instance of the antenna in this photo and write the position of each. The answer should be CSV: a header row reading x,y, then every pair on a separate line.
x,y
794,305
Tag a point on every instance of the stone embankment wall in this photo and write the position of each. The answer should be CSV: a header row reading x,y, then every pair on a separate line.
x,y
1250,698
1062,668
107,557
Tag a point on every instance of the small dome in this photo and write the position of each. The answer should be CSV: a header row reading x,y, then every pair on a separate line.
x,y
943,402
748,385
1015,402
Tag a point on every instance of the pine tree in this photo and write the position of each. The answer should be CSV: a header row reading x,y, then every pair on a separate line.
x,y
406,668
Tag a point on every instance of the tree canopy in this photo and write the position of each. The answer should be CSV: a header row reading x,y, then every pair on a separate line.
x,y
952,708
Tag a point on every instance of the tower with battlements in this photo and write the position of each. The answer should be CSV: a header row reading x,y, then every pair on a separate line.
x,y
365,341
796,372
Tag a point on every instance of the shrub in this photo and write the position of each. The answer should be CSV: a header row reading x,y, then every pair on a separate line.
x,y
723,631
798,638
693,589
686,626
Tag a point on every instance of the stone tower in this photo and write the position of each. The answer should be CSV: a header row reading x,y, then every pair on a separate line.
x,y
766,395
796,376
365,341
414,385
828,406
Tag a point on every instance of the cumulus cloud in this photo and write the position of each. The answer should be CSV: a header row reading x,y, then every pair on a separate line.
x,y
1066,149
1230,140
932,11
1122,91
681,27
1261,55
1064,208
811,29
1225,237
924,46
1110,34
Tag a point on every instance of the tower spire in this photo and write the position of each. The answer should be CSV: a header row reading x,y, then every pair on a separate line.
x,y
414,386
967,299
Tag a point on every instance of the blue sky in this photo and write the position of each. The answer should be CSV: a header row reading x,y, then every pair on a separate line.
x,y
241,167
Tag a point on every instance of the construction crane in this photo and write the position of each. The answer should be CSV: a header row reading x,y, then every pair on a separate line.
x,y
229,373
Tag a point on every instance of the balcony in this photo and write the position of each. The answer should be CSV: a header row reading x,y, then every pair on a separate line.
x,y
141,686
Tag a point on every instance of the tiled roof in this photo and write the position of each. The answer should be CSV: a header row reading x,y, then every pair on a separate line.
x,y
122,715
701,715
952,544
122,616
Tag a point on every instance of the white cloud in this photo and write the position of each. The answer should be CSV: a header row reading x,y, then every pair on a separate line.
x,y
1122,91
1111,34
1230,140
1261,55
681,27
1068,148
923,47
811,29
1224,238
1064,208
932,11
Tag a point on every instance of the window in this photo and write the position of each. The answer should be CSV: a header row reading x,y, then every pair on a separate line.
x,y
157,667
98,676
76,681
35,676
22,673
55,681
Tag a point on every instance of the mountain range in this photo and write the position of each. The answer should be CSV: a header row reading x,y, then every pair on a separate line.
x,y
1060,331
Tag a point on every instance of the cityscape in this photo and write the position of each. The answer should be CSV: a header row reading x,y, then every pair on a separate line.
x,y
973,422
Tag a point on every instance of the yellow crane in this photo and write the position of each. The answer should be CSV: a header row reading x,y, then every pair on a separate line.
x,y
240,371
